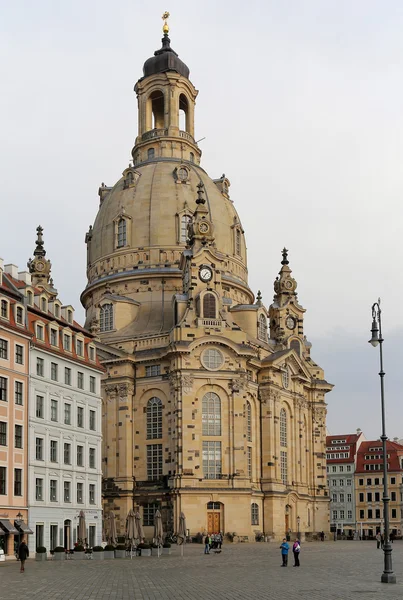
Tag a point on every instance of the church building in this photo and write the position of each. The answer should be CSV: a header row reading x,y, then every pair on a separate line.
x,y
212,404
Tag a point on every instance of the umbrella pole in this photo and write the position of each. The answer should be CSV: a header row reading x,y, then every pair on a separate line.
x,y
182,549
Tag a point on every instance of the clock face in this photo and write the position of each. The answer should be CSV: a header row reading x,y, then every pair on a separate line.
x,y
40,266
205,273
203,227
290,322
182,174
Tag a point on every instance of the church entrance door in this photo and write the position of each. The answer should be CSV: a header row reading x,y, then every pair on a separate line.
x,y
213,522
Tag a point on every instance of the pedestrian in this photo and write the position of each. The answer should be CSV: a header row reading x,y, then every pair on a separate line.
x,y
284,552
296,549
382,540
391,537
207,544
322,536
220,539
378,540
23,554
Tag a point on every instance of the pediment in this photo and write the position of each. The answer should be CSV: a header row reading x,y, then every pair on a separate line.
x,y
290,358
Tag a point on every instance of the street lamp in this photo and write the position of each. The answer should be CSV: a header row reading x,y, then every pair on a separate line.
x,y
19,516
376,331
298,524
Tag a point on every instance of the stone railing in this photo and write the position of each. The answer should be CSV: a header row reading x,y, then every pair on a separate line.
x,y
149,135
156,342
210,323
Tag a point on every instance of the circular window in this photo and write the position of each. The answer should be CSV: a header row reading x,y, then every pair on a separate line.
x,y
183,174
212,359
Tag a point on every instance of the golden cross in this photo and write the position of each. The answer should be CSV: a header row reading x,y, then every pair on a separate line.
x,y
165,18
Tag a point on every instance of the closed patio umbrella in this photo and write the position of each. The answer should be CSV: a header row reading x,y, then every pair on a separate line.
x,y
131,530
158,532
82,530
182,531
139,525
112,528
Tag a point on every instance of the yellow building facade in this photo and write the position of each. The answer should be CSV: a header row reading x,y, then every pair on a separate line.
x,y
212,405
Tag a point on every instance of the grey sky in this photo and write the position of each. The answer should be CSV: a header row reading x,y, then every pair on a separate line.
x,y
300,103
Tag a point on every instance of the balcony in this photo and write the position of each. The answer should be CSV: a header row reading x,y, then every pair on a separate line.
x,y
155,133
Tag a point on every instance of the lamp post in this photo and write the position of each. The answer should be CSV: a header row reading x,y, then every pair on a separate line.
x,y
298,524
376,331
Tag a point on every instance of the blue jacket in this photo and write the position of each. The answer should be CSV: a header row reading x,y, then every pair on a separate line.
x,y
284,548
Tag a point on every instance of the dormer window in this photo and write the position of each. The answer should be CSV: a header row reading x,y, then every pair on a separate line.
x,y
30,297
44,304
121,233
70,316
53,337
57,311
19,315
67,342
4,309
91,351
192,157
106,317
40,335
262,328
80,347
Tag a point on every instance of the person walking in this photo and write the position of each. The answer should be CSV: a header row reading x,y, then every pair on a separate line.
x,y
207,544
322,536
284,552
382,540
378,540
296,549
23,554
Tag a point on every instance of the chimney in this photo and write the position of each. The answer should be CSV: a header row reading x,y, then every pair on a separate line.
x,y
25,277
11,270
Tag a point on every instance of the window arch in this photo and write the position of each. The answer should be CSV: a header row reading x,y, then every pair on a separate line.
x,y
157,112
192,157
209,306
106,317
4,309
211,414
283,428
262,328
254,514
185,222
248,422
150,153
183,113
30,297
122,240
154,419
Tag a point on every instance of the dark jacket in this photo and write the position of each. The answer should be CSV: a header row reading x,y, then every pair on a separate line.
x,y
23,551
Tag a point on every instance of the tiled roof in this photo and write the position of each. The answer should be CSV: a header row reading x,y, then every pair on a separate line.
x,y
393,449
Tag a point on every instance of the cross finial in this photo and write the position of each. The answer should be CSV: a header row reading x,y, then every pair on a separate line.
x,y
285,260
165,27
200,192
39,250
259,297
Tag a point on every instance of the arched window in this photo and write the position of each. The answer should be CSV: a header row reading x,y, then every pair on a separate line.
x,y
121,233
262,328
211,414
150,153
283,428
254,514
106,317
185,221
286,377
209,306
248,422
157,110
295,345
192,157
183,113
154,419
238,242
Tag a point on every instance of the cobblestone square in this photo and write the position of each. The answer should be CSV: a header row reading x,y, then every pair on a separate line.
x,y
329,571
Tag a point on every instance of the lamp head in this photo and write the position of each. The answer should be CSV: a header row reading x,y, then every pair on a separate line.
x,y
374,341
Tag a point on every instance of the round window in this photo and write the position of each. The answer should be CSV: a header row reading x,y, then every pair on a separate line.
x,y
212,359
183,174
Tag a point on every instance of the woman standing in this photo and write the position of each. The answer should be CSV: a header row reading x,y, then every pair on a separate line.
x,y
296,549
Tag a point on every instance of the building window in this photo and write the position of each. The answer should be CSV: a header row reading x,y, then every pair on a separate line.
x,y
283,428
249,457
57,311
92,353
19,315
53,533
3,389
191,157
53,451
334,482
91,535
4,309
53,490
341,482
53,410
238,242
349,498
67,454
53,337
153,370
370,513
80,456
40,333
185,222
39,448
92,493
211,460
39,407
393,496
43,304
154,461
67,490
70,316
40,367
4,349
121,233
377,513
361,496
262,328
80,380
360,482
348,468
149,511
19,354
377,481
67,342
209,306
92,384
248,421
80,348
369,496
349,514
254,514
80,416
341,497
67,375
67,414
54,371
212,359
19,392
150,153
334,497
154,419
334,512
362,513
3,481
342,514
211,414
30,298
106,318
92,458
341,468
92,420
18,436
79,493
394,514
283,467
38,489
369,481
334,469
3,433
349,482
393,481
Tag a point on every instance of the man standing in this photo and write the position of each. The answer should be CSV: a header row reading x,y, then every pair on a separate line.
x,y
284,552
23,554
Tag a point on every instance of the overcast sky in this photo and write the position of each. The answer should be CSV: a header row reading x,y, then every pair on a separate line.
x,y
301,106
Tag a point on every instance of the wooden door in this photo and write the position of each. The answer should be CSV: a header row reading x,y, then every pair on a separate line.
x,y
213,522
287,523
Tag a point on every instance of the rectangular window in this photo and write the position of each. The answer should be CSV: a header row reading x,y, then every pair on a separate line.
x,y
39,407
334,482
39,537
67,454
370,513
3,481
341,482
249,462
80,347
79,493
92,493
53,490
369,496
18,436
91,535
67,342
54,371
38,488
53,337
39,448
92,353
154,460
376,480
334,469
349,514
334,512
18,392
392,480
53,536
4,309
67,375
80,416
149,511
67,414
334,497
369,481
40,367
80,380
393,496
92,420
153,370
19,315
348,482
341,468
377,513
283,467
3,349
349,498
361,497
92,458
19,354
341,497
40,333
67,496
394,515
362,514
3,389
53,451
92,384
342,514
349,468
377,497
80,456
53,410
17,482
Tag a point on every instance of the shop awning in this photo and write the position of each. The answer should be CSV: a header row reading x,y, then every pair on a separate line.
x,y
8,528
23,527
